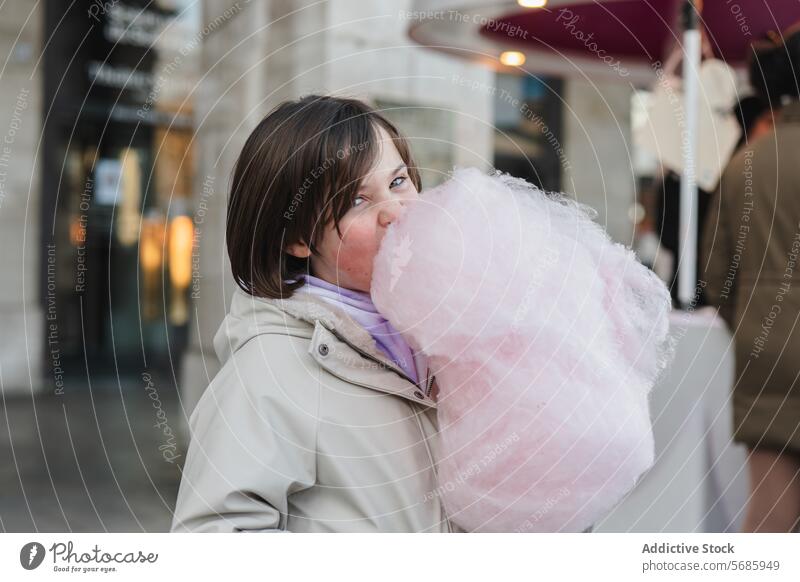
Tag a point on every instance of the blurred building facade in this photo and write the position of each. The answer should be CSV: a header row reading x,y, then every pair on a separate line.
x,y
134,115
22,338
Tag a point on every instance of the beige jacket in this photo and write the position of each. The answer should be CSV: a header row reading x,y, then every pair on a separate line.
x,y
308,427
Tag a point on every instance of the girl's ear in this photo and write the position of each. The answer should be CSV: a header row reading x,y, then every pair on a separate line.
x,y
299,250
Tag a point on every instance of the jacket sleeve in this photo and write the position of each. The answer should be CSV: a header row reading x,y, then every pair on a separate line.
x,y
717,252
253,441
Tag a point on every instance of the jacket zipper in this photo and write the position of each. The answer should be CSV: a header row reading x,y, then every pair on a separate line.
x,y
417,412
430,382
415,407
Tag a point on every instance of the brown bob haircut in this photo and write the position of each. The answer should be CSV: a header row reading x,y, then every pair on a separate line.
x,y
299,169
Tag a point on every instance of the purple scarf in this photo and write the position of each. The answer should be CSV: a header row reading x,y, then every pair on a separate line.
x,y
359,306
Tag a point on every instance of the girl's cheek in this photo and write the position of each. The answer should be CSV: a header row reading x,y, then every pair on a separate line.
x,y
360,234
359,246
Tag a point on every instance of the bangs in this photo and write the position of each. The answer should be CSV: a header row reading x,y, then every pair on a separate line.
x,y
349,150
352,144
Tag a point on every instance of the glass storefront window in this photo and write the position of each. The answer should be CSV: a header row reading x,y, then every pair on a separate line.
x,y
118,177
528,142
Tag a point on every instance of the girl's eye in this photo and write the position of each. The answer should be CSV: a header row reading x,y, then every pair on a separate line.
x,y
396,183
403,178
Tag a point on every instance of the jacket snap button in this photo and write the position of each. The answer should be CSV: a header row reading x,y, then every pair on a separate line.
x,y
419,395
323,349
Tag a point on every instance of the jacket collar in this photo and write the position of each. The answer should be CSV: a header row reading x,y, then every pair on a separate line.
x,y
344,348
312,309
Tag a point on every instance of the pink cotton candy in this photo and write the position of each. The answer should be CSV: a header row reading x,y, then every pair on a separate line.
x,y
545,338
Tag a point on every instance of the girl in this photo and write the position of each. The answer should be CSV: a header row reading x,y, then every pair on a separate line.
x,y
322,418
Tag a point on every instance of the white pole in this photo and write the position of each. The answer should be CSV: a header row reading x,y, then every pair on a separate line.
x,y
687,261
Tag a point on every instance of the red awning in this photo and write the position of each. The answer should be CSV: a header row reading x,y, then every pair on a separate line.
x,y
571,37
643,30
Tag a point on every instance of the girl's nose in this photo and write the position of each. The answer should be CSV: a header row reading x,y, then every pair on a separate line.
x,y
389,211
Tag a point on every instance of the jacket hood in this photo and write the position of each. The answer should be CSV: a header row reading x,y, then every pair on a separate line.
x,y
297,316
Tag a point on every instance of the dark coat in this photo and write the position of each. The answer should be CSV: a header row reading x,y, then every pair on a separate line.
x,y
749,262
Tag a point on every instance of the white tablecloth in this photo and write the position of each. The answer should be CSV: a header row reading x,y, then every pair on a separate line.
x,y
699,481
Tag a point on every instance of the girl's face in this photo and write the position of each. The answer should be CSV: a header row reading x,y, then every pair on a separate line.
x,y
346,261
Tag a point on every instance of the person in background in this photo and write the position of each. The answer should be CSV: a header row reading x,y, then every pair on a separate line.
x,y
666,199
750,247
755,119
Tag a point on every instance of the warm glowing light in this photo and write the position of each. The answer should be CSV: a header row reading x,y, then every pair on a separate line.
x,y
77,231
181,238
151,260
532,3
151,245
181,244
512,58
128,217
